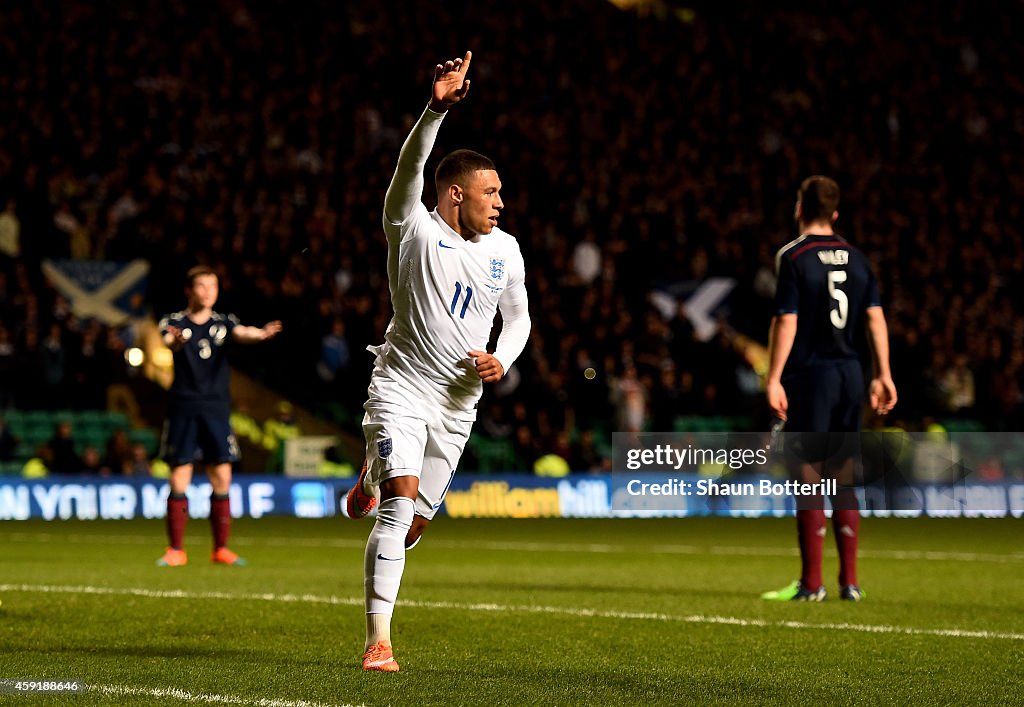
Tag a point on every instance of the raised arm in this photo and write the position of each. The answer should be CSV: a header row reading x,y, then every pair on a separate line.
x,y
449,87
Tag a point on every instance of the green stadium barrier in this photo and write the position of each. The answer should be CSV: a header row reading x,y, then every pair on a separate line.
x,y
146,437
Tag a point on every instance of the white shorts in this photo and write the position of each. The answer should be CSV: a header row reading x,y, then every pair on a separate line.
x,y
402,444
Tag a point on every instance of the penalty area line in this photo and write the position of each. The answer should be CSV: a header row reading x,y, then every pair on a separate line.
x,y
512,608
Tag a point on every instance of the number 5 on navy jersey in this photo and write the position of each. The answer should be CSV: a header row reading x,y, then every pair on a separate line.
x,y
842,311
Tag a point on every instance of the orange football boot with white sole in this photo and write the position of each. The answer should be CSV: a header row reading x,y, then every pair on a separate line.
x,y
380,657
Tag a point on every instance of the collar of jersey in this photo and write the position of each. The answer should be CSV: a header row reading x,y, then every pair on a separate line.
x,y
455,240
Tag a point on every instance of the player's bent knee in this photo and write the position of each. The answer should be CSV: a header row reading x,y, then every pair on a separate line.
x,y
404,486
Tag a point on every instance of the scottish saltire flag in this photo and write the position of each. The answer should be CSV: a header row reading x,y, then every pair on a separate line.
x,y
706,302
100,289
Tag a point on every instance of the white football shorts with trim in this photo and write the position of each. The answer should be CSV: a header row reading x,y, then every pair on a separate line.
x,y
401,444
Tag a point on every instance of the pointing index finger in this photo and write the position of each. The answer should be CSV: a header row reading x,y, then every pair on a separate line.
x,y
465,62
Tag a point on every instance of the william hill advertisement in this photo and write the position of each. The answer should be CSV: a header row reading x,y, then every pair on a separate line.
x,y
526,498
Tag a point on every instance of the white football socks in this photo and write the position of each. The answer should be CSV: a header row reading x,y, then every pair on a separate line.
x,y
383,565
378,628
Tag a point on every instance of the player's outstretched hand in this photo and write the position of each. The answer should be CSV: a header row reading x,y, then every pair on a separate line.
x,y
271,329
883,395
175,338
488,368
450,83
777,399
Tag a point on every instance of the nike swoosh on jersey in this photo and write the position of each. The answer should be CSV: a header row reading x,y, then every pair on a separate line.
x,y
380,556
450,247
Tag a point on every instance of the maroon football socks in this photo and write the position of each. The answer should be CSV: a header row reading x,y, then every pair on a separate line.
x,y
177,517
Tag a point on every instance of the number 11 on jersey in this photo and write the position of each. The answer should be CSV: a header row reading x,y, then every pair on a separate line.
x,y
465,302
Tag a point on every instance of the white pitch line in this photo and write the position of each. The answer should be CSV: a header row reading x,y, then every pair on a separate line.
x,y
202,697
179,594
513,546
151,540
512,608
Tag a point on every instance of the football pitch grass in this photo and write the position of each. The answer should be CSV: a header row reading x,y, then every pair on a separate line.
x,y
585,612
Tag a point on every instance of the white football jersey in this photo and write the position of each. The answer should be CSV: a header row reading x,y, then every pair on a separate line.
x,y
445,292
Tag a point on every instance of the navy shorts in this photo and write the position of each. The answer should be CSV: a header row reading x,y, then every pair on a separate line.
x,y
192,436
825,405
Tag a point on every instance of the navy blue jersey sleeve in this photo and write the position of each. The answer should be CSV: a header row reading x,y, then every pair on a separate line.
x,y
787,290
872,298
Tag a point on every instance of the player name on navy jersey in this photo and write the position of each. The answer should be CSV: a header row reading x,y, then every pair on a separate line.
x,y
201,371
828,284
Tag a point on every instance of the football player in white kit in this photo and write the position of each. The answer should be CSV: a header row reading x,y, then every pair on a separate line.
x,y
450,271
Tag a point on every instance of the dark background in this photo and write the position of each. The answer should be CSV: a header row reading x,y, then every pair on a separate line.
x,y
238,134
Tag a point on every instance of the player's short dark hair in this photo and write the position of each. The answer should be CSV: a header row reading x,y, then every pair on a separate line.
x,y
457,166
819,199
198,271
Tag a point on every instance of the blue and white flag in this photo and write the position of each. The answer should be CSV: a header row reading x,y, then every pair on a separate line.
x,y
100,289
706,301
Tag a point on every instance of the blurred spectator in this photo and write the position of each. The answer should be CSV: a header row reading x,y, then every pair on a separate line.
x,y
10,233
335,355
30,387
139,464
92,463
494,423
551,465
630,400
36,467
665,399
8,442
276,430
525,448
935,390
63,458
53,359
586,259
586,456
87,370
958,384
8,369
119,455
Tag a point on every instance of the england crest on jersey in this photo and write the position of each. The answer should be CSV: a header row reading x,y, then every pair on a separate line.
x,y
497,268
384,448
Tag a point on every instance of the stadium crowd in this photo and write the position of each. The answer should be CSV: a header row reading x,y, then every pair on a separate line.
x,y
665,149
